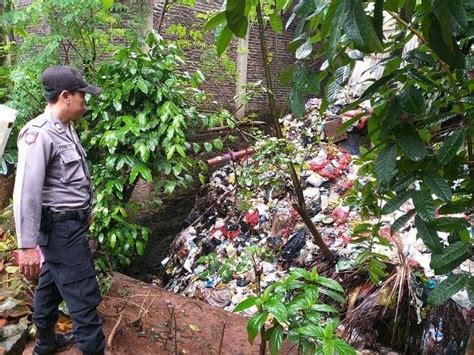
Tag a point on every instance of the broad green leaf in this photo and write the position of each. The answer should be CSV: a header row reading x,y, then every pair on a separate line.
x,y
449,224
305,80
223,40
385,164
236,19
396,202
215,21
305,49
401,221
218,143
424,205
390,118
410,141
343,348
255,324
307,7
311,330
277,309
458,16
328,346
411,101
420,58
428,235
329,283
325,308
470,289
441,11
246,303
459,206
107,4
403,182
451,56
447,288
297,103
378,19
333,294
360,29
208,147
276,339
275,22
450,147
393,5
450,258
142,85
438,186
332,26
140,247
287,74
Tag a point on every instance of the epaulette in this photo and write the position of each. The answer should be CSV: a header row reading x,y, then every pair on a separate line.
x,y
39,121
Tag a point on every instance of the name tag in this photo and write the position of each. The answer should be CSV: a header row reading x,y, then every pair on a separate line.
x,y
63,147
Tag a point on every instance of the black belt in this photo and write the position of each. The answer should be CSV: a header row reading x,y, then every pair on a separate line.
x,y
77,215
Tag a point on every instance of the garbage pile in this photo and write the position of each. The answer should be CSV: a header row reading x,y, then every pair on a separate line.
x,y
212,259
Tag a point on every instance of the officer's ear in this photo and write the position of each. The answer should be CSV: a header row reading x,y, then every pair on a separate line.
x,y
65,96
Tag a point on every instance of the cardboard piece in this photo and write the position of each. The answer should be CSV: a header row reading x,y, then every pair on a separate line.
x,y
7,117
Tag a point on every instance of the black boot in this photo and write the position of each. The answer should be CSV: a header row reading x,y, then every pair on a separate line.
x,y
48,341
101,352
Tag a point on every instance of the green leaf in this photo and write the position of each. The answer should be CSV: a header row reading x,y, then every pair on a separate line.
x,y
287,74
401,221
446,289
441,11
275,22
311,330
470,289
389,118
329,283
458,14
223,40
424,205
208,147
343,348
332,26
378,19
107,4
140,247
385,164
410,141
218,143
333,294
142,85
396,202
236,19
255,324
305,80
450,258
411,101
276,339
438,186
428,235
449,224
297,103
246,303
459,206
392,5
360,29
305,49
420,58
450,147
215,21
277,309
451,55
325,308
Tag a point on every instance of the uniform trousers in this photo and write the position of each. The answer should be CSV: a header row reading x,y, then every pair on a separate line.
x,y
68,274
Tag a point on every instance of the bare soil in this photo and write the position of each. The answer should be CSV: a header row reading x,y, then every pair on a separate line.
x,y
156,321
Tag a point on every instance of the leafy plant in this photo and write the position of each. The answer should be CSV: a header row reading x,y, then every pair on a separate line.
x,y
298,311
137,130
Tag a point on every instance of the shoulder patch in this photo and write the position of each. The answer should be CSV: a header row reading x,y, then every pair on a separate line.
x,y
30,137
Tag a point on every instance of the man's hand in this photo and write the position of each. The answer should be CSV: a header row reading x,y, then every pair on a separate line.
x,y
29,263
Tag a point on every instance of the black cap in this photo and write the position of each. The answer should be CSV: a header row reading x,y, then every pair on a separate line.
x,y
62,77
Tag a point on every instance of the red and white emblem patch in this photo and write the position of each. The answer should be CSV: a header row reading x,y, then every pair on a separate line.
x,y
30,137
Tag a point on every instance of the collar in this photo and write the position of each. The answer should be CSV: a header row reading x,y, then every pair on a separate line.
x,y
58,125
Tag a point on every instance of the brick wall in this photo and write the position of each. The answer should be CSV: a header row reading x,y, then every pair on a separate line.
x,y
223,89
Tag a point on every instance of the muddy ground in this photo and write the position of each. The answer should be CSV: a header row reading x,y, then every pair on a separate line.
x,y
156,321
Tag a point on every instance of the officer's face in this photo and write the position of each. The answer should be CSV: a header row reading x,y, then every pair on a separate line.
x,y
77,104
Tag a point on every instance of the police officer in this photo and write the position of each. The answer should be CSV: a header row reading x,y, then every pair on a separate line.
x,y
51,200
